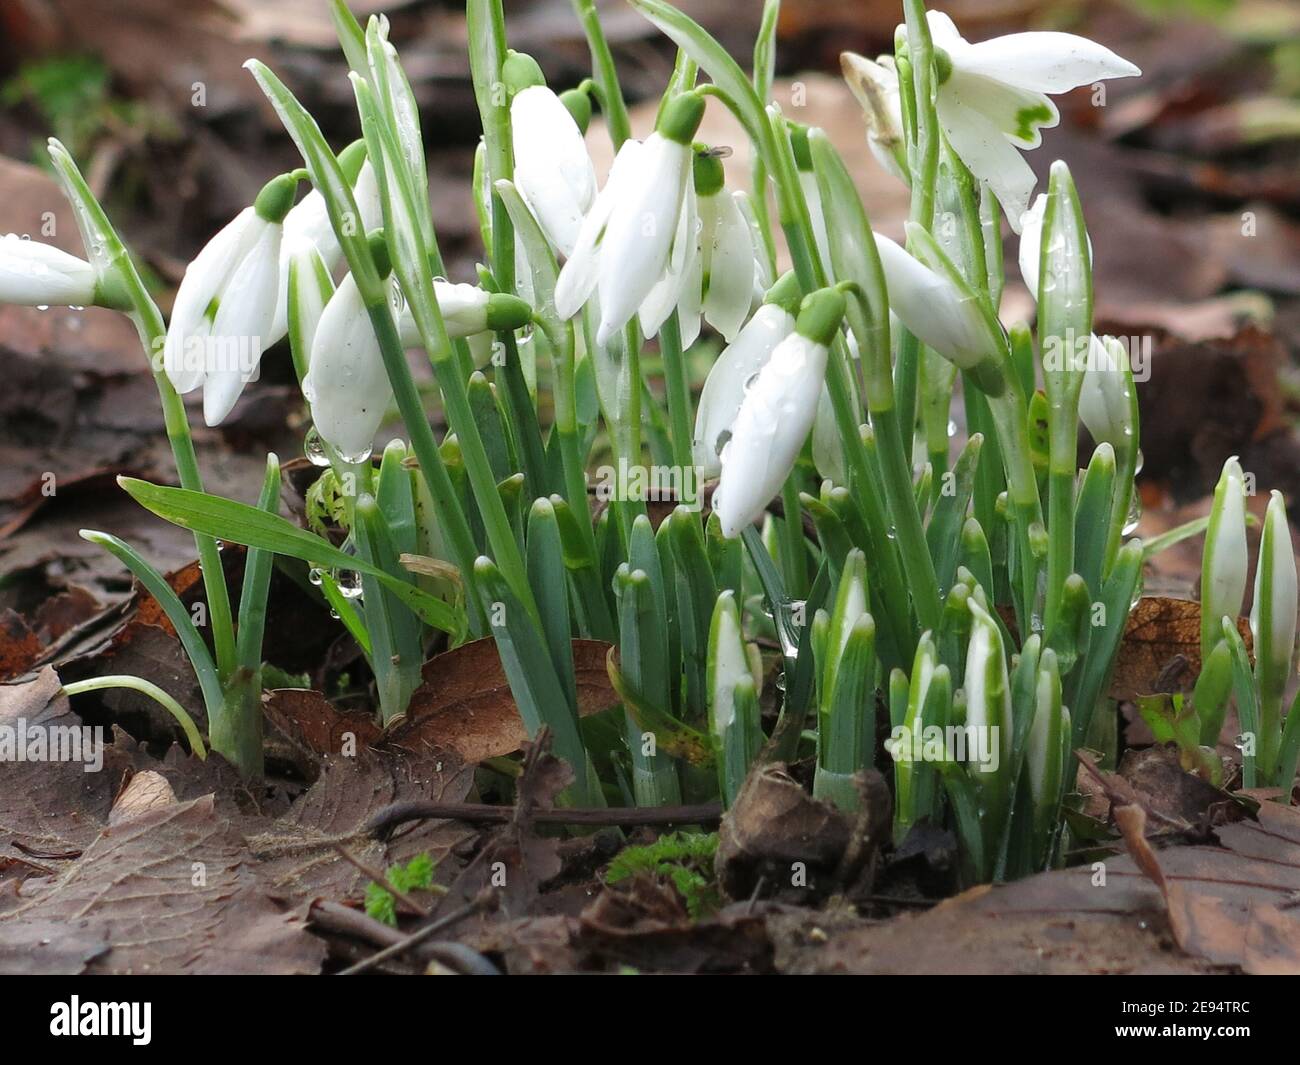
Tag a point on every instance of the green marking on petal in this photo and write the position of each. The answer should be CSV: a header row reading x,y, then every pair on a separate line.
x,y
1030,118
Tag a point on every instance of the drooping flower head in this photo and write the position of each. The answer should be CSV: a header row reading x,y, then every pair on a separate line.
x,y
777,414
993,98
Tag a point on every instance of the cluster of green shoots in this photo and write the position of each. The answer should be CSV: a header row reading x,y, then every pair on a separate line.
x,y
968,606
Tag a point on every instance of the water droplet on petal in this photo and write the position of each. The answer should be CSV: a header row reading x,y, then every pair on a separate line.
x,y
359,457
314,448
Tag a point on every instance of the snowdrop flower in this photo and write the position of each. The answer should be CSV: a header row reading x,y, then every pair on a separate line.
x,y
308,225
717,281
226,304
992,98
347,384
553,171
1223,565
934,309
33,274
469,312
776,415
736,369
627,238
875,86
1105,400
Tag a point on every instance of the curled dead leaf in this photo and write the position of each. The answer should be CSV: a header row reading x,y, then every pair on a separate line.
x,y
1161,649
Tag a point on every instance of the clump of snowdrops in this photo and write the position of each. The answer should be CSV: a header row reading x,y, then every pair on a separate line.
x,y
967,605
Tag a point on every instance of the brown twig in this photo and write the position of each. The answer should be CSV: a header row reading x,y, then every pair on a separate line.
x,y
484,900
398,813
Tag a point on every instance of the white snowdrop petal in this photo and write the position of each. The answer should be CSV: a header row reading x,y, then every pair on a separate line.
x,y
639,236
728,254
33,274
581,272
773,422
1031,242
204,279
990,156
350,389
1019,113
1045,61
931,307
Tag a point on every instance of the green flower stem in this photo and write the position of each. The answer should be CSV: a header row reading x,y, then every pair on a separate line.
x,y
1008,414
896,476
794,555
144,687
149,325
894,592
924,156
917,561
460,417
563,344
486,20
418,288
678,387
605,73
797,226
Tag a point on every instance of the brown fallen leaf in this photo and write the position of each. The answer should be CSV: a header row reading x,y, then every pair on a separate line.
x,y
309,721
296,856
146,791
1158,633
465,703
773,826
186,862
20,647
50,807
1231,905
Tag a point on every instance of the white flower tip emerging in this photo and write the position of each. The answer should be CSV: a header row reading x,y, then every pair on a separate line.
x,y
727,662
1223,571
1273,612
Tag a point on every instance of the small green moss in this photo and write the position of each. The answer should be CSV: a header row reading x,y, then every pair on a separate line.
x,y
685,859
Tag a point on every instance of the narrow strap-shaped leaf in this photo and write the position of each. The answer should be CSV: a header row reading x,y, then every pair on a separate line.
x,y
396,655
395,495
537,690
257,580
1087,683
247,525
351,36
943,533
1092,516
156,585
546,574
